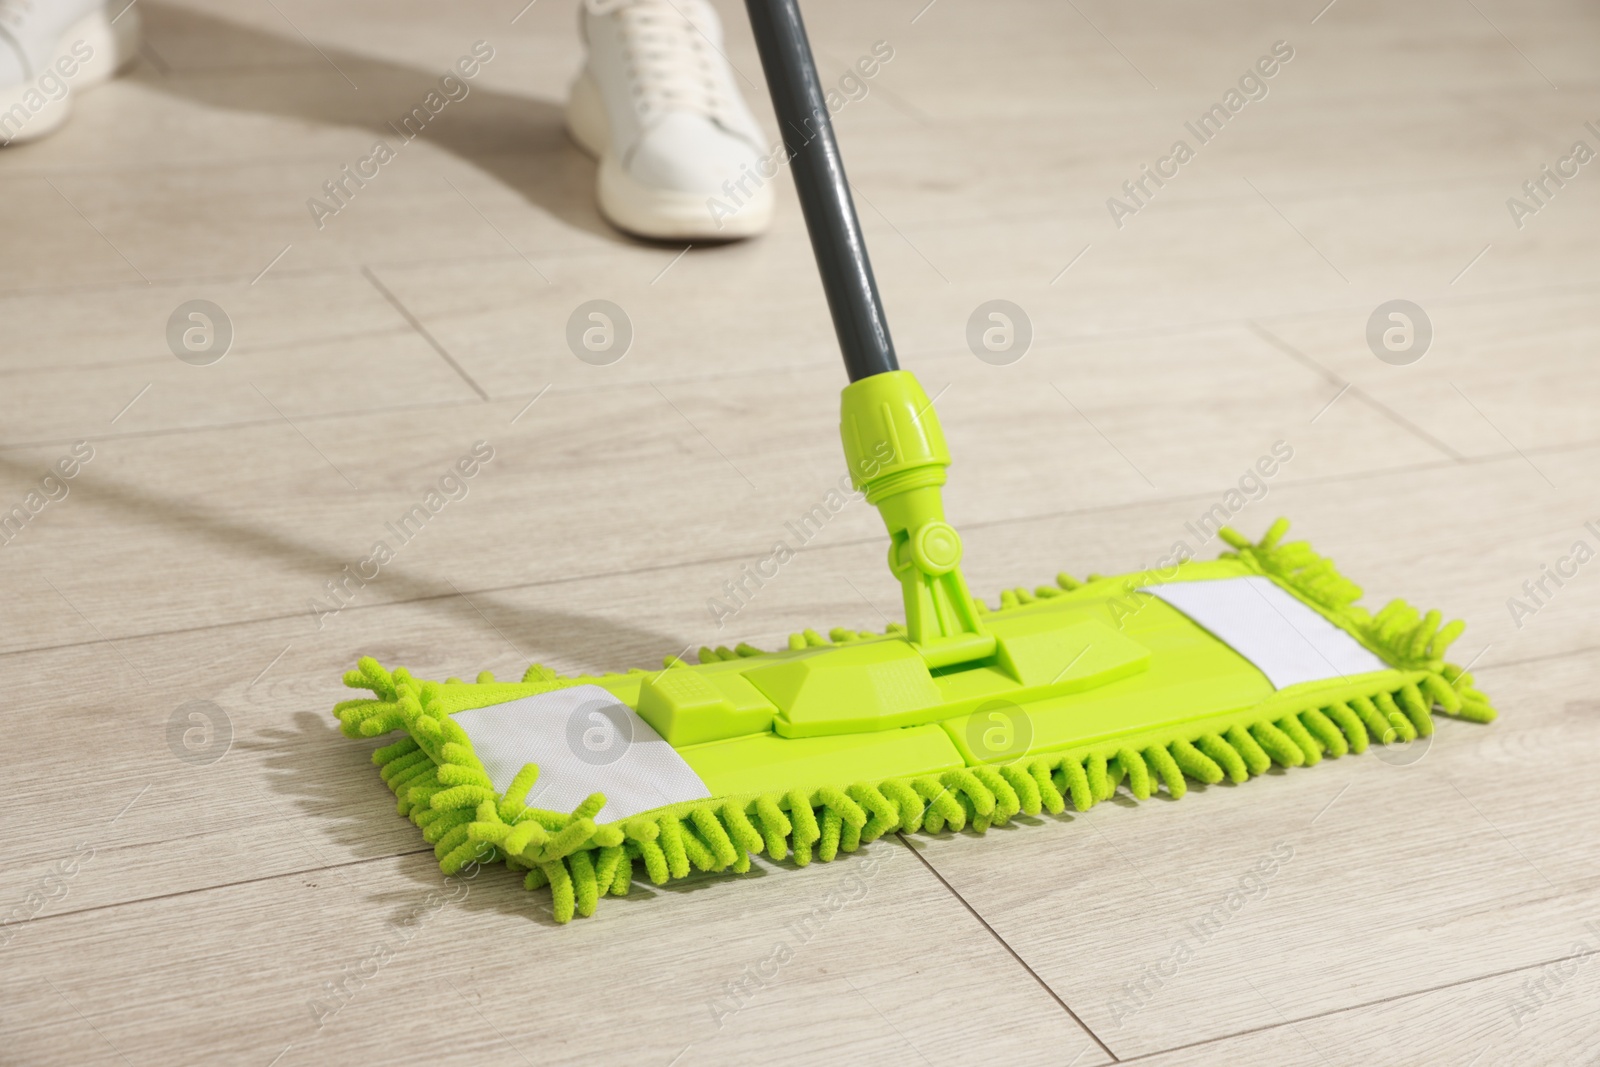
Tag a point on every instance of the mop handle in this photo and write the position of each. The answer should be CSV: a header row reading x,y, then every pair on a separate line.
x,y
824,192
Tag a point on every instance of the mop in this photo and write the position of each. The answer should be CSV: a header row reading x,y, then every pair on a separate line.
x,y
963,717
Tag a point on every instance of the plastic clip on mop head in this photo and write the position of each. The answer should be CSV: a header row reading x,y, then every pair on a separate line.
x,y
897,456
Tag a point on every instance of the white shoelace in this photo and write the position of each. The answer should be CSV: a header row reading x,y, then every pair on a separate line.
x,y
671,63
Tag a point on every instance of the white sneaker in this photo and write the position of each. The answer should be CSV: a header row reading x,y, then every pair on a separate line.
x,y
680,153
50,50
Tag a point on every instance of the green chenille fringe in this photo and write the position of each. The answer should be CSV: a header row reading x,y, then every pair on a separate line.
x,y
443,788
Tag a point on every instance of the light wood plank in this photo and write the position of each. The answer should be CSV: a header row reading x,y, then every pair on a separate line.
x,y
1535,1015
632,476
1348,883
1464,391
242,972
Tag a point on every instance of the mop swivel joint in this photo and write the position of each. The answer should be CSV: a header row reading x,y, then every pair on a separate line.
x,y
898,457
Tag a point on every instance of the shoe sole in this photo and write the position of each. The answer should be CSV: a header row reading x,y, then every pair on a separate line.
x,y
111,46
630,206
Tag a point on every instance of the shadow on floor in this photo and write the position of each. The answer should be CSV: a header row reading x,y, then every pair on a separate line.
x,y
521,141
559,635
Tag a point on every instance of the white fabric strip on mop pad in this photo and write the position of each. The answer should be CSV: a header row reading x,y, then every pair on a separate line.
x,y
1286,640
585,741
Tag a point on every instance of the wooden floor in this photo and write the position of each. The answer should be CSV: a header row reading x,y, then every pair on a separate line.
x,y
195,867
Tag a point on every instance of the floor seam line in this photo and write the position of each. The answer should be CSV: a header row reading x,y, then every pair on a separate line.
x,y
1334,378
737,557
220,885
1007,946
422,330
1357,1007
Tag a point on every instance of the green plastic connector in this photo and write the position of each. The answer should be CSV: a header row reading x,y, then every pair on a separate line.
x,y
897,456
688,707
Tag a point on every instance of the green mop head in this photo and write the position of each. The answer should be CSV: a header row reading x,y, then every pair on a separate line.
x,y
962,719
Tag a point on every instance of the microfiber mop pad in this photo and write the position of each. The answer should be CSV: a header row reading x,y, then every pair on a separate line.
x,y
1207,672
